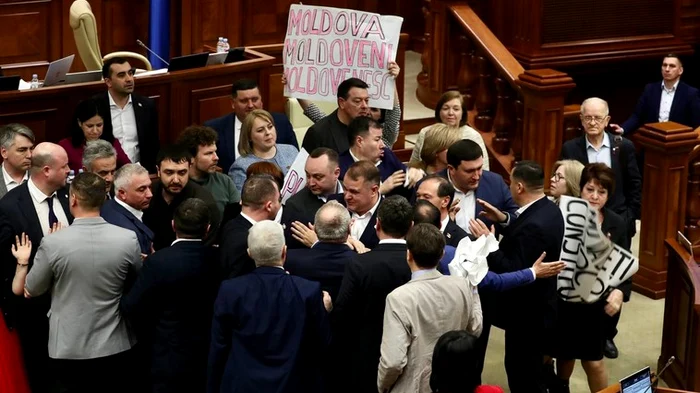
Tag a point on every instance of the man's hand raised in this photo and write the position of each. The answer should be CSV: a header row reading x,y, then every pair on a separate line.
x,y
491,212
547,269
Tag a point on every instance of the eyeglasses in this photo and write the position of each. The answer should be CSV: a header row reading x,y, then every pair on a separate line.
x,y
597,119
557,177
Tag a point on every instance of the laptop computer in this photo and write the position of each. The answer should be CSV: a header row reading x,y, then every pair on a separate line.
x,y
57,71
196,60
639,382
82,77
216,58
9,83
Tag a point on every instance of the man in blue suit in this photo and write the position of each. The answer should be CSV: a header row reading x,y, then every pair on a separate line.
x,y
245,97
325,261
465,161
270,329
132,195
668,100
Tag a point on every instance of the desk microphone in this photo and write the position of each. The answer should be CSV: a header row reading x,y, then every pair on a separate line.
x,y
657,377
154,53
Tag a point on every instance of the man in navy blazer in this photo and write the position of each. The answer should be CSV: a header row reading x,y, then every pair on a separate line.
x,y
465,171
668,100
245,97
325,261
132,195
270,329
527,313
25,209
171,304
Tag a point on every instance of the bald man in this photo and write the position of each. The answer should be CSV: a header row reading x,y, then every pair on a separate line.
x,y
32,208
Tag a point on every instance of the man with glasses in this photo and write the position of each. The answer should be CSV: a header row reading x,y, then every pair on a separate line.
x,y
133,119
597,145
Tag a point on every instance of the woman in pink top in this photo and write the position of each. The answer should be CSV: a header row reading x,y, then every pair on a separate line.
x,y
87,125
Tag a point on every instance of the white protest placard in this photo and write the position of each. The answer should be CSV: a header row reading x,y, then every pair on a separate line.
x,y
593,262
325,46
295,178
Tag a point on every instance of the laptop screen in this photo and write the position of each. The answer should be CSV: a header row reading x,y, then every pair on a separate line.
x,y
639,382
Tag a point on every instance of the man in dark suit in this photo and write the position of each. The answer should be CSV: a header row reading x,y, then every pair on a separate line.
x,y
325,261
131,118
171,301
260,200
322,185
616,152
440,192
34,207
362,199
132,196
16,142
173,188
365,140
668,100
465,171
358,312
527,313
245,97
332,130
270,329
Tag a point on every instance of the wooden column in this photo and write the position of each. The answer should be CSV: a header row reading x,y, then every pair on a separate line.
x,y
664,191
543,94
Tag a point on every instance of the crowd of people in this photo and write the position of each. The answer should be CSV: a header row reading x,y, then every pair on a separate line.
x,y
178,268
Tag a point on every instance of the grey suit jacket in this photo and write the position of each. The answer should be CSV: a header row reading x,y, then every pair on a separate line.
x,y
416,315
3,188
85,266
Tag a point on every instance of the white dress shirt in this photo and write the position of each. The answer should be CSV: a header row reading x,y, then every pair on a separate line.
x,y
137,213
184,240
443,223
666,101
467,206
41,205
355,159
360,222
250,220
602,155
236,135
10,183
124,128
338,190
392,241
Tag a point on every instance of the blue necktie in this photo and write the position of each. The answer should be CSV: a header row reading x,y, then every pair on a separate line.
x,y
52,216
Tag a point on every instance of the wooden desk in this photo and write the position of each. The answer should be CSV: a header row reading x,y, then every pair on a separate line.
x,y
681,333
183,98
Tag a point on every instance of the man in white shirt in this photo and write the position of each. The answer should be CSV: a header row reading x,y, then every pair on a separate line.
x,y
362,198
133,118
668,100
439,192
16,145
132,194
465,171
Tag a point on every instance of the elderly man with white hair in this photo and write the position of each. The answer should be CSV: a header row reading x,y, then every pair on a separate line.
x,y
100,158
270,328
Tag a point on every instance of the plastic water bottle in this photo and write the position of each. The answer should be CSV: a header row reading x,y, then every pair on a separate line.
x,y
226,45
35,81
220,45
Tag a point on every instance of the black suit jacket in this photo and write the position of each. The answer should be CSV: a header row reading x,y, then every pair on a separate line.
x,y
358,314
324,263
539,228
614,225
17,216
171,303
302,207
453,234
234,257
147,129
627,198
685,108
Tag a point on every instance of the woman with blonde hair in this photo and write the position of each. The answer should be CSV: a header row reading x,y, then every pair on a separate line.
x,y
450,111
438,138
565,180
258,143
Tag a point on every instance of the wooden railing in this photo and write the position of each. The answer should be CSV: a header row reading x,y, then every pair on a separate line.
x,y
518,112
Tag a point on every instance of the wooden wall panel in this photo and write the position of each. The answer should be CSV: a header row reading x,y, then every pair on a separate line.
x,y
29,32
